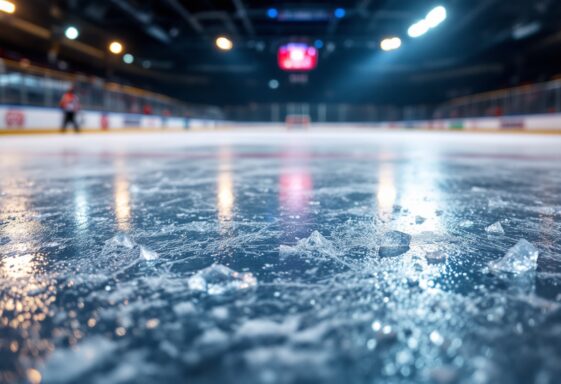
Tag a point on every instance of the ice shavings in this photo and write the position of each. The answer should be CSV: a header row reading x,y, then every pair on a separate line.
x,y
123,240
495,229
394,243
436,257
219,279
148,254
314,242
315,245
523,257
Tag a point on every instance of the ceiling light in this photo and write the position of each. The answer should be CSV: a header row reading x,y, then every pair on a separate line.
x,y
115,47
390,44
128,58
436,16
418,29
340,13
223,43
71,33
7,6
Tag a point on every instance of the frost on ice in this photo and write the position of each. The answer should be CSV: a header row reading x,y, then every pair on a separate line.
x,y
119,253
436,257
219,279
394,243
523,257
148,254
122,240
313,243
496,229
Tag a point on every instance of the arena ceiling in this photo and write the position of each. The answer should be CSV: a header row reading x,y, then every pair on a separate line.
x,y
483,44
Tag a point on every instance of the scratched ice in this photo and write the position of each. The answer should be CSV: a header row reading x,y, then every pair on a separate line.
x,y
254,257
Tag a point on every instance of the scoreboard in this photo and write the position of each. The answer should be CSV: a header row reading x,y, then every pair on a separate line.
x,y
297,57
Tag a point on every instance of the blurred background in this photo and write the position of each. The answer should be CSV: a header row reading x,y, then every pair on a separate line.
x,y
190,64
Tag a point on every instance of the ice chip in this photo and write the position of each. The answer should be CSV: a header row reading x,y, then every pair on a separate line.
x,y
123,240
148,254
466,223
419,220
313,243
435,257
523,257
394,243
219,279
495,229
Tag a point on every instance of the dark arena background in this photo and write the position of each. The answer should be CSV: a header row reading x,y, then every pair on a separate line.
x,y
280,192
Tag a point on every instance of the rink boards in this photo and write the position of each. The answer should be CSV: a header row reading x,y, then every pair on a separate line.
x,y
30,119
16,119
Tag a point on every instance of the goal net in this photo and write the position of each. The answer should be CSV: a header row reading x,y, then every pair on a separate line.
x,y
298,122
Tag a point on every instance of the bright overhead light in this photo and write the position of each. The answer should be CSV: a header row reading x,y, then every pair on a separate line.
x,y
71,33
433,19
390,44
115,47
436,16
7,6
223,43
273,84
128,58
272,13
418,29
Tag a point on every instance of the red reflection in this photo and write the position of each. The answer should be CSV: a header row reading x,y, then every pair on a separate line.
x,y
295,191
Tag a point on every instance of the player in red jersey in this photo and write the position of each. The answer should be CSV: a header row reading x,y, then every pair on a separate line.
x,y
70,105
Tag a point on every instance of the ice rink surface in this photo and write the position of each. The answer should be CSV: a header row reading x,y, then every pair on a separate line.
x,y
303,257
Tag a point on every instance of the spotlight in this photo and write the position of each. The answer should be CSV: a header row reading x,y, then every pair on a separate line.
x,y
115,47
128,58
390,44
223,43
71,33
340,13
274,84
318,44
272,13
418,29
7,6
436,16
432,20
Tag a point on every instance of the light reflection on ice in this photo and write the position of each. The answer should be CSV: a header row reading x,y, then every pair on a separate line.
x,y
122,202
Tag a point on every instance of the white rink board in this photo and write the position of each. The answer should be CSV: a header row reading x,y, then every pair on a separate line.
x,y
36,118
16,118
